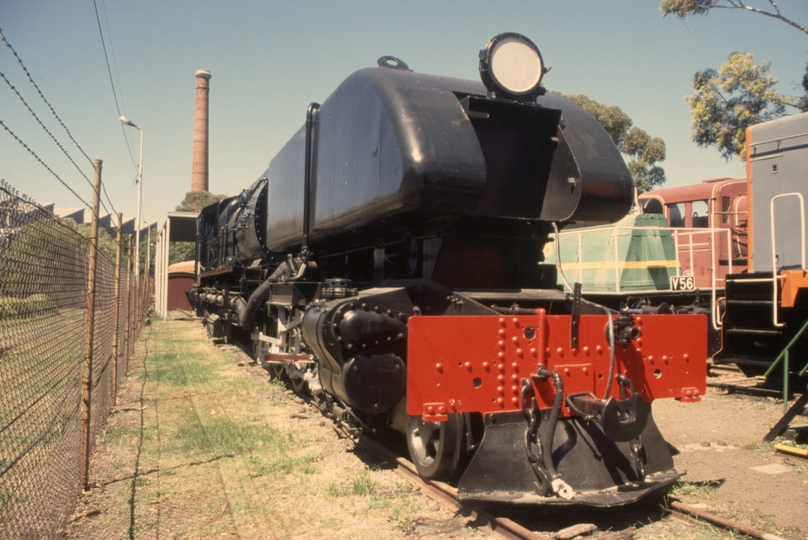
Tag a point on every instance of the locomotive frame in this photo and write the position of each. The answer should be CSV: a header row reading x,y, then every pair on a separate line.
x,y
387,262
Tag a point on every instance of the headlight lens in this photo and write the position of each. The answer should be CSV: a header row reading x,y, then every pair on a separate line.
x,y
511,66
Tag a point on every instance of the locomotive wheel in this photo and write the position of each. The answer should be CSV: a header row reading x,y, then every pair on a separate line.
x,y
435,446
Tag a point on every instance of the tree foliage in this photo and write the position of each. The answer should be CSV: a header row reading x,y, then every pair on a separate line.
x,y
106,243
685,8
738,95
642,151
181,251
195,201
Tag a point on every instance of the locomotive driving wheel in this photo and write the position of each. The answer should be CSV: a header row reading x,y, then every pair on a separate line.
x,y
435,446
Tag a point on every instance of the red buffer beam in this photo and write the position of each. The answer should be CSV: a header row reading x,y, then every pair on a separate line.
x,y
460,364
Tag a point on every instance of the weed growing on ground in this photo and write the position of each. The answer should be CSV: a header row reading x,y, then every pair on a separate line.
x,y
277,382
695,490
335,491
168,368
401,504
763,521
763,446
141,481
285,465
135,530
363,484
708,532
696,529
225,437
115,433
332,523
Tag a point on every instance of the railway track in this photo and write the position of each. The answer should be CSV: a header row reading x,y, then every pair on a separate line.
x,y
446,495
549,523
505,527
551,526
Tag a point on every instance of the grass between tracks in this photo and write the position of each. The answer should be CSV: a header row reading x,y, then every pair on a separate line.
x,y
202,446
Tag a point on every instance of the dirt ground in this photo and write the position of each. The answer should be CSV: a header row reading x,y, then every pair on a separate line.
x,y
204,445
720,444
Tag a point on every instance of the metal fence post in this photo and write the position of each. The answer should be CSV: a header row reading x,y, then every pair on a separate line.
x,y
129,302
131,314
136,299
117,311
87,379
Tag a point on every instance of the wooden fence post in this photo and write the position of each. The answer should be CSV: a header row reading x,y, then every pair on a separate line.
x,y
87,379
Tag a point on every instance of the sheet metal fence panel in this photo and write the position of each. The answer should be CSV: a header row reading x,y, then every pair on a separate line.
x,y
43,293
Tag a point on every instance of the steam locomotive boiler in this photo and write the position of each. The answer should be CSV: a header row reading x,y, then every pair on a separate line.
x,y
389,262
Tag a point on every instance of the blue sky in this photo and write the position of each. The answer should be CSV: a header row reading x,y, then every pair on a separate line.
x,y
270,59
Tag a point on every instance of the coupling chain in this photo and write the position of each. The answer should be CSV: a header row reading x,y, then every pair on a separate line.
x,y
533,446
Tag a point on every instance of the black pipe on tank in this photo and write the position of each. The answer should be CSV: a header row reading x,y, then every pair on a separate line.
x,y
289,270
307,181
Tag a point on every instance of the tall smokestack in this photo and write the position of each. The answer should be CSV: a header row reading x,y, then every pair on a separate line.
x,y
199,172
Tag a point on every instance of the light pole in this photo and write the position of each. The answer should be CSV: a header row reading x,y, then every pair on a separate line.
x,y
125,121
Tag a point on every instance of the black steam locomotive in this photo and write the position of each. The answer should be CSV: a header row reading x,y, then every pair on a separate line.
x,y
389,262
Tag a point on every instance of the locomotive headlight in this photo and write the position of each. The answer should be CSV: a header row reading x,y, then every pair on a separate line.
x,y
511,66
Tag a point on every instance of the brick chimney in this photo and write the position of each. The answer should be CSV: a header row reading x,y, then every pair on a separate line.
x,y
199,172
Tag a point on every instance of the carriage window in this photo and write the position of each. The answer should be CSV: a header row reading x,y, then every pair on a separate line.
x,y
700,218
676,214
651,206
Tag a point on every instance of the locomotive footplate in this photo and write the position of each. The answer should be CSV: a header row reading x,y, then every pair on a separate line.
x,y
601,472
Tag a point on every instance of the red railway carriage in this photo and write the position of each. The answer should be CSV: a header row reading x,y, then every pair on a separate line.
x,y
387,262
719,203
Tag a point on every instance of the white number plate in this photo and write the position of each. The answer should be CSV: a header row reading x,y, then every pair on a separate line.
x,y
683,283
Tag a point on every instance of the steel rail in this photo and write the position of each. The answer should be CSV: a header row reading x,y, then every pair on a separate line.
x,y
510,529
447,495
714,519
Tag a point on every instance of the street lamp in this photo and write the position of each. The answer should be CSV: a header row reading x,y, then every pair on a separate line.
x,y
125,121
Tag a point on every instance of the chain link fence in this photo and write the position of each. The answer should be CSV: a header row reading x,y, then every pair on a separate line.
x,y
43,319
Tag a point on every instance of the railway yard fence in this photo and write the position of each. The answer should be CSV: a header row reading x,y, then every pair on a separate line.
x,y
57,382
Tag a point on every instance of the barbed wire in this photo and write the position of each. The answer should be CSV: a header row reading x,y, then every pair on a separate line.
x,y
12,192
31,79
25,69
97,217
44,165
3,76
